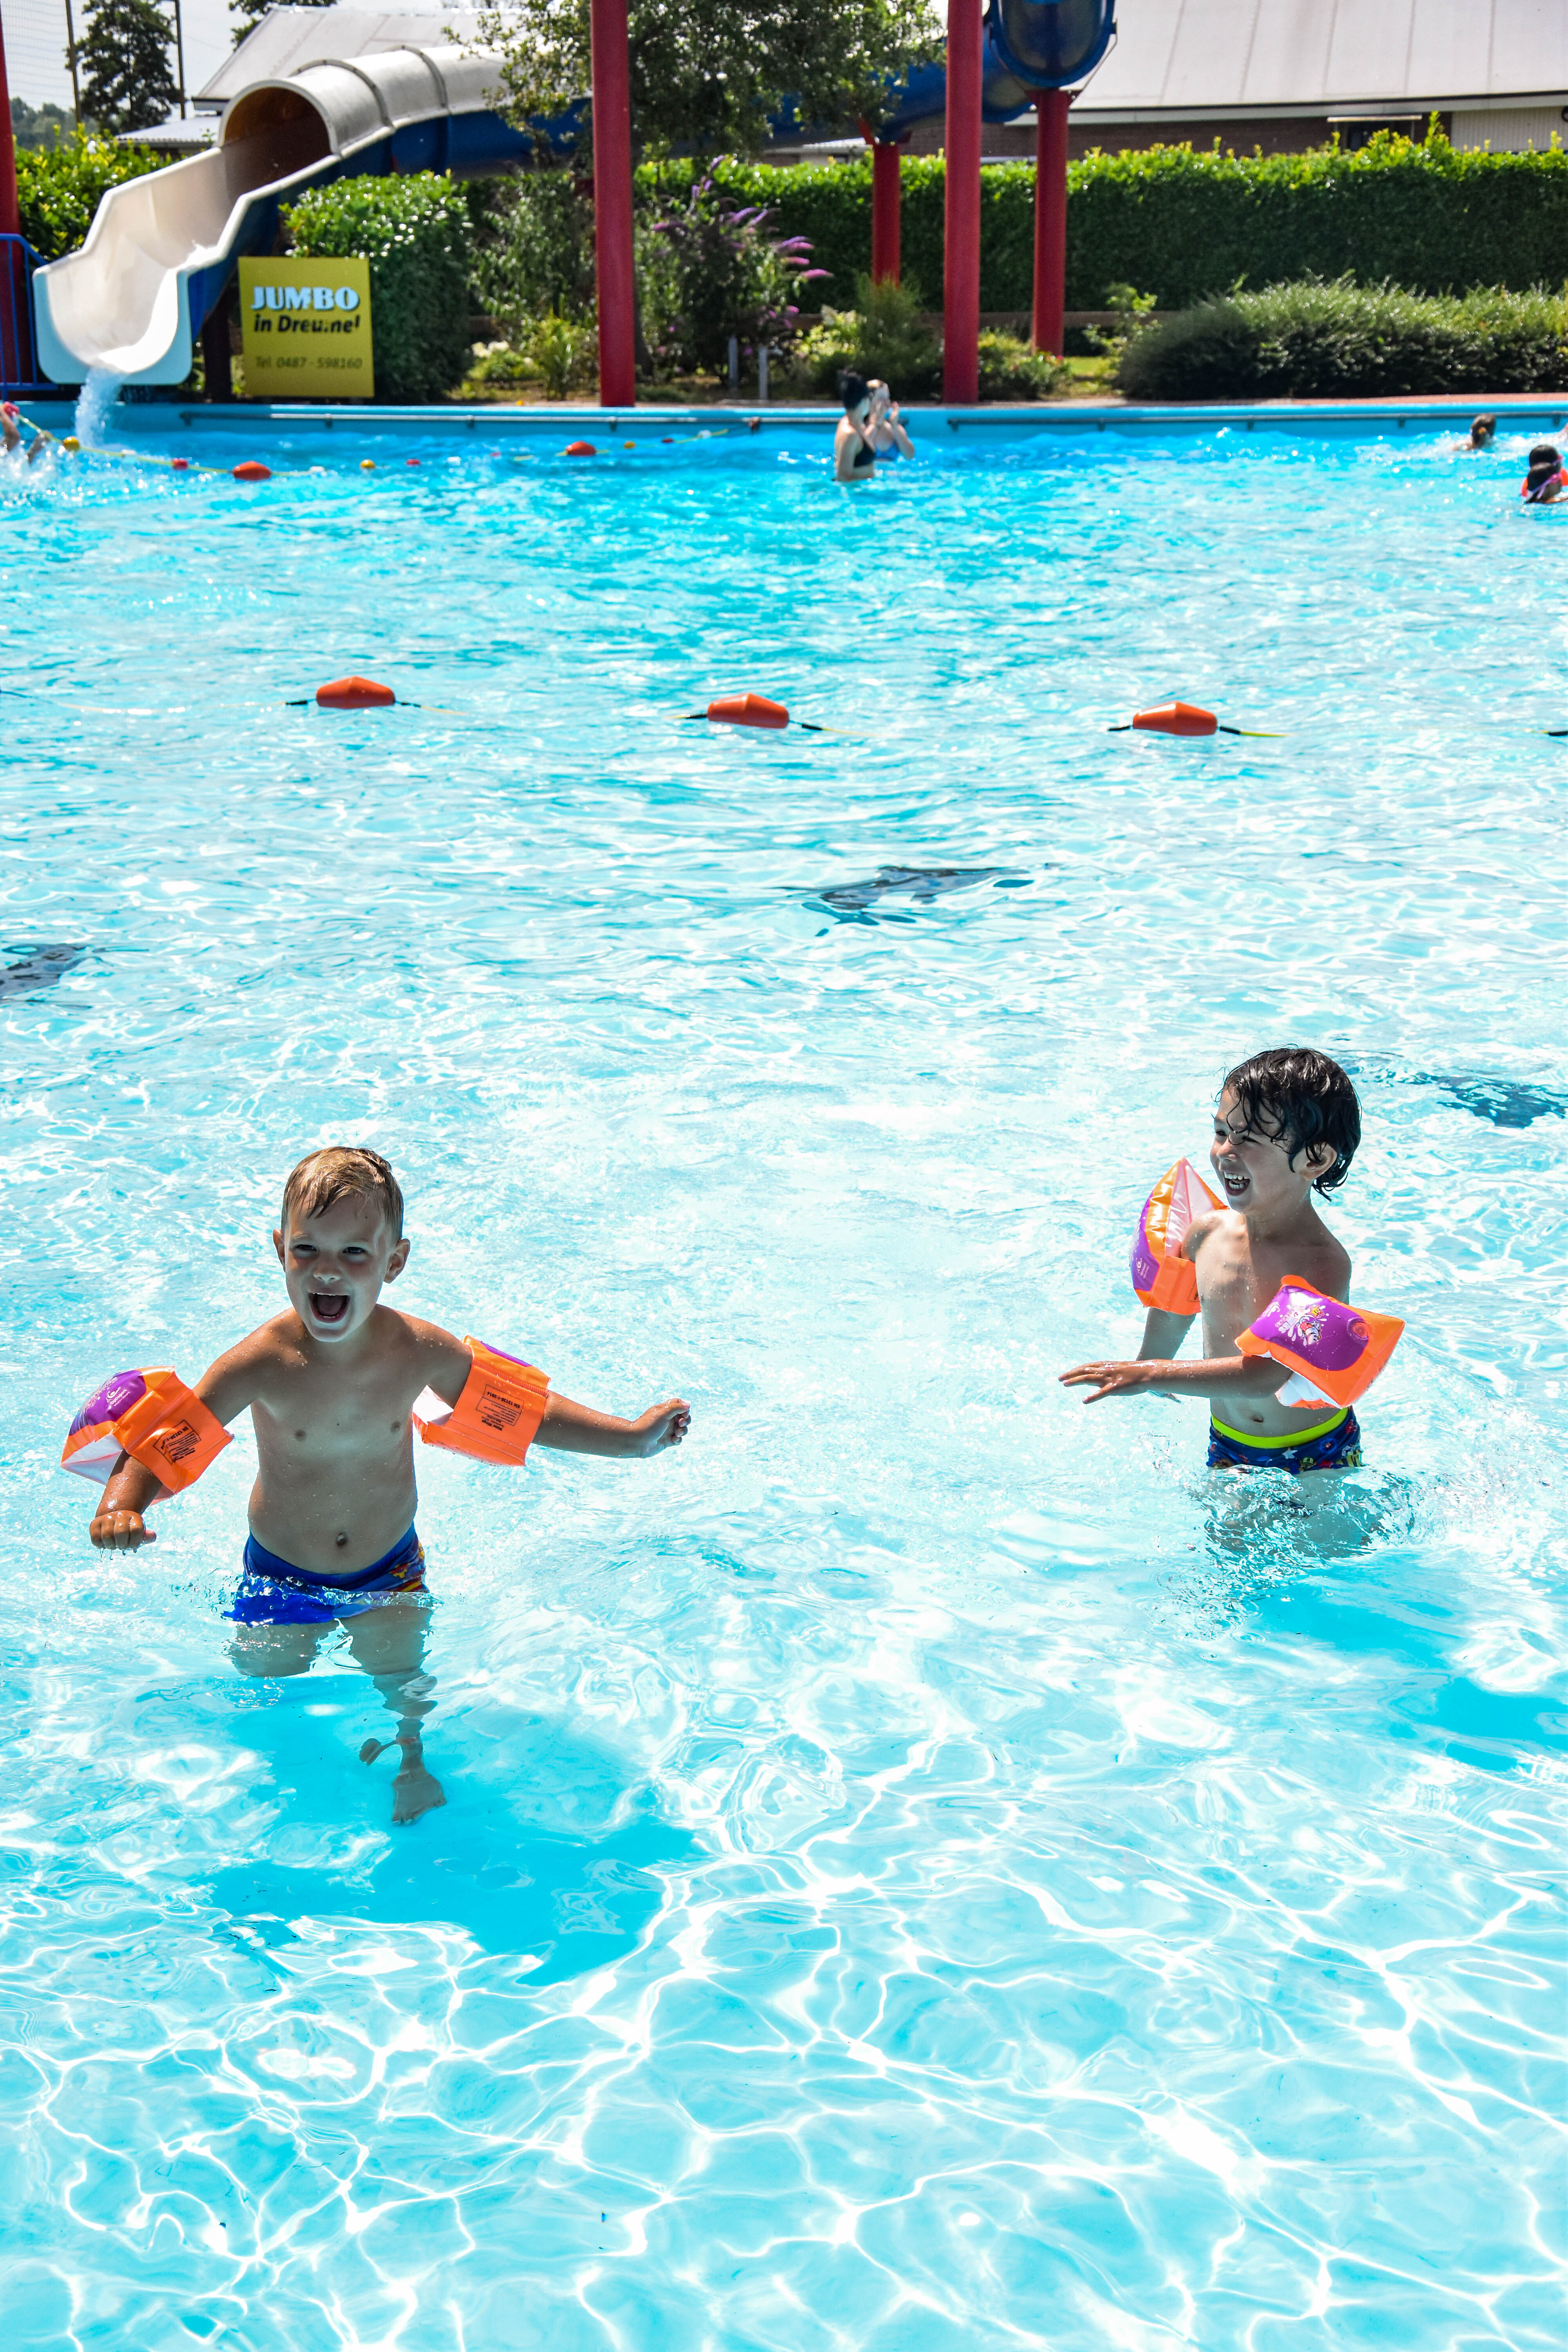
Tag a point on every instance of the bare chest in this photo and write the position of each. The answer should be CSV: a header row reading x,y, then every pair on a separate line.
x,y
309,1419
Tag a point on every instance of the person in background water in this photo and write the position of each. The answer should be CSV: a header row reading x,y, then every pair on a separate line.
x,y
1483,433
11,421
854,452
1545,480
888,438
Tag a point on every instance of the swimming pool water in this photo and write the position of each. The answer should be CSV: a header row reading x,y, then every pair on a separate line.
x,y
926,1866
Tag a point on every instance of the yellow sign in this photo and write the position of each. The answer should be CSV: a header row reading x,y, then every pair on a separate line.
x,y
305,327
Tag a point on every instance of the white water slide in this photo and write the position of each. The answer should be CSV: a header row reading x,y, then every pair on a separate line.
x,y
161,249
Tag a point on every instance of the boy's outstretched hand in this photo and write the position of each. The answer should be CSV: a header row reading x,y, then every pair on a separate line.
x,y
121,1531
662,1425
1127,1378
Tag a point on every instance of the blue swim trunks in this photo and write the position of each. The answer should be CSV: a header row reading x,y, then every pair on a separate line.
x,y
273,1591
1333,1445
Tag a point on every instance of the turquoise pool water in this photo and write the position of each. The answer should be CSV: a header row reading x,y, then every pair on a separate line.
x,y
926,1867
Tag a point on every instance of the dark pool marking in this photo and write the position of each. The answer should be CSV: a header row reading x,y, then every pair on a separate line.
x,y
1499,1099
1502,1100
853,902
40,966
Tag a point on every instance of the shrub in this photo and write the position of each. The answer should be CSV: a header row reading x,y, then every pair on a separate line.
x,y
59,188
533,238
414,231
562,352
498,362
1418,213
709,270
1183,223
1012,369
885,335
1321,341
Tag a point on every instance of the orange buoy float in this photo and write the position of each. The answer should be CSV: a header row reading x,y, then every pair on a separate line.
x,y
1189,718
355,693
253,471
1178,718
581,449
179,465
747,710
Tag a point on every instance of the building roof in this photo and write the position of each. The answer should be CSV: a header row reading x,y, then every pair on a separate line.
x,y
1190,58
1193,57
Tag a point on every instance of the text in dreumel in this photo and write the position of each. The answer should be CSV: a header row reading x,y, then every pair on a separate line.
x,y
305,330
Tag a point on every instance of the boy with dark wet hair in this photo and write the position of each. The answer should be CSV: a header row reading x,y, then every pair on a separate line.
x,y
332,1386
1546,482
1286,1127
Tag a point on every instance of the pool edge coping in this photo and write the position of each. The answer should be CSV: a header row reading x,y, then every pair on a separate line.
x,y
541,418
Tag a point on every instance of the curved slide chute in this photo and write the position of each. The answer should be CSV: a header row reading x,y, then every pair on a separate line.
x,y
161,249
1049,43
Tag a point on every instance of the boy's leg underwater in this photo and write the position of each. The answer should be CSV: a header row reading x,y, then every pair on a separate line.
x,y
270,1650
389,1643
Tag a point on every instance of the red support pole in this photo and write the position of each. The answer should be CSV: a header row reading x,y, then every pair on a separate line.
x,y
10,211
613,206
1050,217
961,353
887,192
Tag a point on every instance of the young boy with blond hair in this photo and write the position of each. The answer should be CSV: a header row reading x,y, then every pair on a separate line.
x,y
335,1387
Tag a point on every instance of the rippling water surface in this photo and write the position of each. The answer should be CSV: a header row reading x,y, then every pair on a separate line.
x,y
926,1866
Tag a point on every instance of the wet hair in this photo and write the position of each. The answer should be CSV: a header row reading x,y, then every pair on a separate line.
x,y
1544,462
1296,1097
1483,425
852,389
342,1171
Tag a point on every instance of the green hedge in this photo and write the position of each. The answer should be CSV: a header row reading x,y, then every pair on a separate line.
x,y
1181,224
58,188
413,230
1313,341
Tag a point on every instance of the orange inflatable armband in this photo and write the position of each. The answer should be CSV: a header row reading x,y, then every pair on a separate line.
x,y
1333,1352
1161,1275
498,1415
152,1416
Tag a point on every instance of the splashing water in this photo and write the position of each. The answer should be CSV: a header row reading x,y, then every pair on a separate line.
x,y
96,397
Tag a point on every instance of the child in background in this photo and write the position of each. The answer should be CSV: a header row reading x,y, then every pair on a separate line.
x,y
1287,1127
1545,480
332,1385
1483,432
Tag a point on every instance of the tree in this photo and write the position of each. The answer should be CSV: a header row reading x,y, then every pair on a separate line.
x,y
38,126
128,81
247,13
707,76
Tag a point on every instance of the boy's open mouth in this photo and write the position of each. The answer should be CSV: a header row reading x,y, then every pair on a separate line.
x,y
329,1306
1235,1186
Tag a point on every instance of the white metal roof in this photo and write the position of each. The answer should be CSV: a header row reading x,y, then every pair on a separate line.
x,y
1328,57
1187,57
